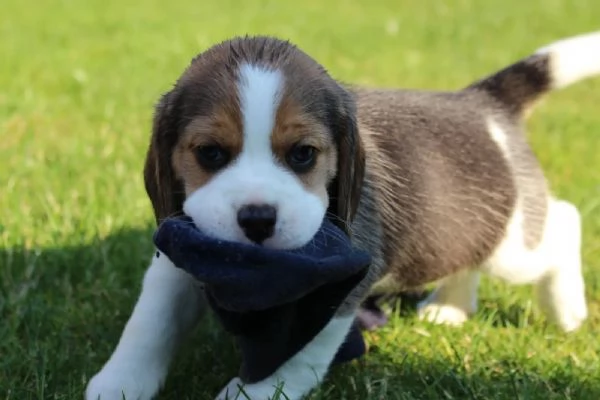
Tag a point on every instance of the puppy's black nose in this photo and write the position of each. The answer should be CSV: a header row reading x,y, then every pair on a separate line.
x,y
257,221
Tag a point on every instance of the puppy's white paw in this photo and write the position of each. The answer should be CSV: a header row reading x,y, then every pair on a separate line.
x,y
257,391
115,383
565,303
231,391
572,318
445,314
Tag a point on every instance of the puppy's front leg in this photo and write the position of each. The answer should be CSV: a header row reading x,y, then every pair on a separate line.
x,y
169,305
299,374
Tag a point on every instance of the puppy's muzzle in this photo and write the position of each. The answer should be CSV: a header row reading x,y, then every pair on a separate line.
x,y
257,221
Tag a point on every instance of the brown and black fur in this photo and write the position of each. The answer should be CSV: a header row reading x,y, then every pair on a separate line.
x,y
420,183
438,191
429,183
210,79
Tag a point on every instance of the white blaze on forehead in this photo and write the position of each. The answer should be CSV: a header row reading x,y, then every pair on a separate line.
x,y
256,176
259,90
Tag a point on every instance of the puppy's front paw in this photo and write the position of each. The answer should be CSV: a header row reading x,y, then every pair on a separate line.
x,y
445,314
115,383
236,390
231,391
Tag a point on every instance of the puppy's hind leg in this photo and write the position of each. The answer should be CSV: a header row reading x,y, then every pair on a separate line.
x,y
453,300
562,290
554,265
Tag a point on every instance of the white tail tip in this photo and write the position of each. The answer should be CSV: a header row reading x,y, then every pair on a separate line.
x,y
573,59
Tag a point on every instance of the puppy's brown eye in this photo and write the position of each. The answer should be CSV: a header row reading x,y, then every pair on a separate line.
x,y
301,158
212,157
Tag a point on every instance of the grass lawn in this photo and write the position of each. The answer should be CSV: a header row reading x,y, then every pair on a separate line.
x,y
78,81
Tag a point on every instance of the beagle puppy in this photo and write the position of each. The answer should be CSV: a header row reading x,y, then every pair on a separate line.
x,y
257,143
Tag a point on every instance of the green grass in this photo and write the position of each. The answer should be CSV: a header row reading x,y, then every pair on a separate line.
x,y
77,84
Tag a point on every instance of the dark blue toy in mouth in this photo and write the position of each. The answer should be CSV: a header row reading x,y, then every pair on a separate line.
x,y
273,301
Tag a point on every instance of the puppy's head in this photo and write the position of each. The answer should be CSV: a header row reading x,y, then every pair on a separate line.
x,y
256,143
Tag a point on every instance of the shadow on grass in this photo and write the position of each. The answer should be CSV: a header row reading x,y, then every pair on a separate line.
x,y
434,377
63,310
209,360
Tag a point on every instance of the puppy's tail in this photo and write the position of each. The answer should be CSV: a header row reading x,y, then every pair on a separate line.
x,y
554,66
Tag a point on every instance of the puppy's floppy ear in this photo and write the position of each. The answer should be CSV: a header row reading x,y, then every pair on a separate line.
x,y
345,190
164,189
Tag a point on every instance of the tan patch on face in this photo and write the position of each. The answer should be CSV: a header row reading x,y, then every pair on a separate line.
x,y
294,127
222,128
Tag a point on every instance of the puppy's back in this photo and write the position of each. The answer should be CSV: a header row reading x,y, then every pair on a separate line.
x,y
447,170
441,185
